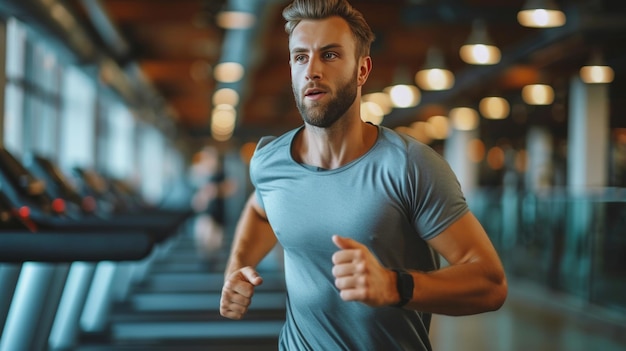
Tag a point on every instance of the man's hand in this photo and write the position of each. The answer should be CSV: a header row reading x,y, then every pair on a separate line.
x,y
237,292
360,277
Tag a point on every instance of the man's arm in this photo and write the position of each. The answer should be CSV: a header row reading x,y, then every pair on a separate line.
x,y
254,239
474,282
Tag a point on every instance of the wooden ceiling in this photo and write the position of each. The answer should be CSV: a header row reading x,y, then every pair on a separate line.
x,y
176,44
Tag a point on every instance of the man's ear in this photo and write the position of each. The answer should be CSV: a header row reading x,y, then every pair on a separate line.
x,y
365,67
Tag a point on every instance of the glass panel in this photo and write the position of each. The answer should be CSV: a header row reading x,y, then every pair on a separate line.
x,y
16,43
78,121
14,92
151,148
121,126
571,243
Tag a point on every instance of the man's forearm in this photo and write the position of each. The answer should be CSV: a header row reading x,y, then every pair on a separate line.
x,y
254,239
462,289
474,281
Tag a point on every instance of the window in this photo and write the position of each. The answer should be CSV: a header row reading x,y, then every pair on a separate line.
x,y
120,127
14,90
32,92
78,121
151,151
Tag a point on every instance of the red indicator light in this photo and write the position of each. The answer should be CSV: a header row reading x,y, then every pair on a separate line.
x,y
58,205
24,212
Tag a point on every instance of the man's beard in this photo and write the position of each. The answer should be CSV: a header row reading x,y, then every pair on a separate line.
x,y
323,115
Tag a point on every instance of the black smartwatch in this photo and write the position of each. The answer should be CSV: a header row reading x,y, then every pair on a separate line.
x,y
404,283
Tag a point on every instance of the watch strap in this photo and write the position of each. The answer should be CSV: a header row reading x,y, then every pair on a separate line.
x,y
404,284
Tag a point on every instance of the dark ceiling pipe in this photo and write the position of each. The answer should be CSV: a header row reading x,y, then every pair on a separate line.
x,y
54,20
107,30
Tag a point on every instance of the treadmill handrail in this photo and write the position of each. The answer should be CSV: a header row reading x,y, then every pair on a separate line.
x,y
47,246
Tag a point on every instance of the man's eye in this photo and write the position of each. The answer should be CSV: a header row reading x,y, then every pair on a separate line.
x,y
329,55
300,58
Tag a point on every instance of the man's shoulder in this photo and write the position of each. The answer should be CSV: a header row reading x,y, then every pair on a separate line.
x,y
404,148
272,149
269,143
402,141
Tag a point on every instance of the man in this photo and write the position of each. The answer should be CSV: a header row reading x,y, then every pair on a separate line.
x,y
357,209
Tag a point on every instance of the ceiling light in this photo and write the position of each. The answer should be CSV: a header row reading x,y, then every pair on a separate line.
x,y
538,94
404,95
381,99
464,118
439,126
371,112
434,75
540,14
417,131
223,122
494,107
235,20
596,71
421,131
479,50
597,74
221,137
228,72
226,96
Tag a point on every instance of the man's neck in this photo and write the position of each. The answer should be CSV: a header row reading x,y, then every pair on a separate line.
x,y
333,147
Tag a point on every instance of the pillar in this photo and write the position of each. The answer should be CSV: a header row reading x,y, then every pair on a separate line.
x,y
456,153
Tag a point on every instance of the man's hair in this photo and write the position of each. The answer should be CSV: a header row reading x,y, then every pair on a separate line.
x,y
300,10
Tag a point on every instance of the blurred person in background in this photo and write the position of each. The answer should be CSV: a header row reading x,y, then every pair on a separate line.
x,y
212,188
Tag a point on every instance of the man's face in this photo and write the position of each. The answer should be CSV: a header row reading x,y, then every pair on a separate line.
x,y
323,70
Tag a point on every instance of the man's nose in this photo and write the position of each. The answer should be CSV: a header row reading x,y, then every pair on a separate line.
x,y
314,69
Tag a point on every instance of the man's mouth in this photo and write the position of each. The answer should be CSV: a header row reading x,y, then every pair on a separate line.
x,y
314,93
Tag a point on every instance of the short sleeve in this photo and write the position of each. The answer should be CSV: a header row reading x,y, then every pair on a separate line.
x,y
256,165
437,198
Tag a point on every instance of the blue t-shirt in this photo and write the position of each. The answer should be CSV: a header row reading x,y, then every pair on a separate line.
x,y
392,199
